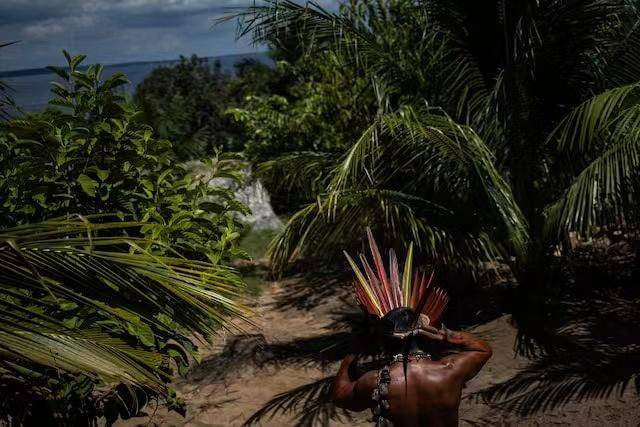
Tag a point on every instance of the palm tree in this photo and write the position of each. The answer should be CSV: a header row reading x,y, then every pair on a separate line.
x,y
83,306
488,137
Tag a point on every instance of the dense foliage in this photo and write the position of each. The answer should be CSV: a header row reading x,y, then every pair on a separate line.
x,y
311,119
473,151
188,103
481,131
112,256
314,113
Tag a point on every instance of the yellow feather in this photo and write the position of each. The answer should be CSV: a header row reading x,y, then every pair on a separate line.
x,y
364,284
406,277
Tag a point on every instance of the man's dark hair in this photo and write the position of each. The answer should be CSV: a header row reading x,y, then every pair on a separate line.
x,y
401,319
377,334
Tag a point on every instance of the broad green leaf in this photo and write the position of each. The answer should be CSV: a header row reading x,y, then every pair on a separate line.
x,y
76,60
103,174
67,56
113,81
88,184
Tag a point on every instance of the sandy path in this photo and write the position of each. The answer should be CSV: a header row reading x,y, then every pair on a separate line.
x,y
243,373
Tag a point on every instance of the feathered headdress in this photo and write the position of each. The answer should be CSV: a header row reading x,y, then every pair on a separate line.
x,y
378,293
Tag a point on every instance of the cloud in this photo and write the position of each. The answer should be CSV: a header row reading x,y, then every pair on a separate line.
x,y
51,27
111,31
42,31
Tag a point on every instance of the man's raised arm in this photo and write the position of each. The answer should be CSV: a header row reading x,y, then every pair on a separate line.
x,y
347,392
474,353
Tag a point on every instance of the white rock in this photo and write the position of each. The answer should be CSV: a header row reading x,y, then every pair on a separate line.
x,y
252,194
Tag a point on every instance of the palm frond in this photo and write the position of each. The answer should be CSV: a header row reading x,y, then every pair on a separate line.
x,y
321,228
598,117
602,193
69,293
604,131
576,35
276,20
305,172
409,174
624,66
441,150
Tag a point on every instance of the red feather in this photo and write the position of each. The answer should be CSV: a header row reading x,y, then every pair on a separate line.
x,y
382,273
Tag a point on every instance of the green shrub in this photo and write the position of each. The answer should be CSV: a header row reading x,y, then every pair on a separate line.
x,y
316,112
309,122
94,155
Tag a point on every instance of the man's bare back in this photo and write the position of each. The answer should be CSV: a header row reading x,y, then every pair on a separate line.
x,y
430,394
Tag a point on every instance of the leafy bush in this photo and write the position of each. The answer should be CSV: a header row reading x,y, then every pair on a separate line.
x,y
96,156
316,112
314,118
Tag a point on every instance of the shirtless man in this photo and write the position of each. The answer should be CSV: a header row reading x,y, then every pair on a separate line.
x,y
429,394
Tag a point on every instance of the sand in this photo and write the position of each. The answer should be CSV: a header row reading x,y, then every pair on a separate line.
x,y
292,349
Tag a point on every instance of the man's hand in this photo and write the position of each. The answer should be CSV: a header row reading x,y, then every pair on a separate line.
x,y
424,321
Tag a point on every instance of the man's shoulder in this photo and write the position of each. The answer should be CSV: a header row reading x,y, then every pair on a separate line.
x,y
433,381
434,373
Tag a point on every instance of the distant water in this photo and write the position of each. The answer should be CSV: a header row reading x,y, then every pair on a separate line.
x,y
31,88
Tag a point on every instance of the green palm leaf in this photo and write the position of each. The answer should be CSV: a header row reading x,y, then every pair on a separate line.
x,y
445,153
77,297
603,193
320,229
598,118
605,130
394,178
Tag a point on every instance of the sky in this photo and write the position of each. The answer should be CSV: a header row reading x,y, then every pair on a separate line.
x,y
116,31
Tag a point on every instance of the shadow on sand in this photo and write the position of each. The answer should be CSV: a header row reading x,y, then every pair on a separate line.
x,y
583,345
582,335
